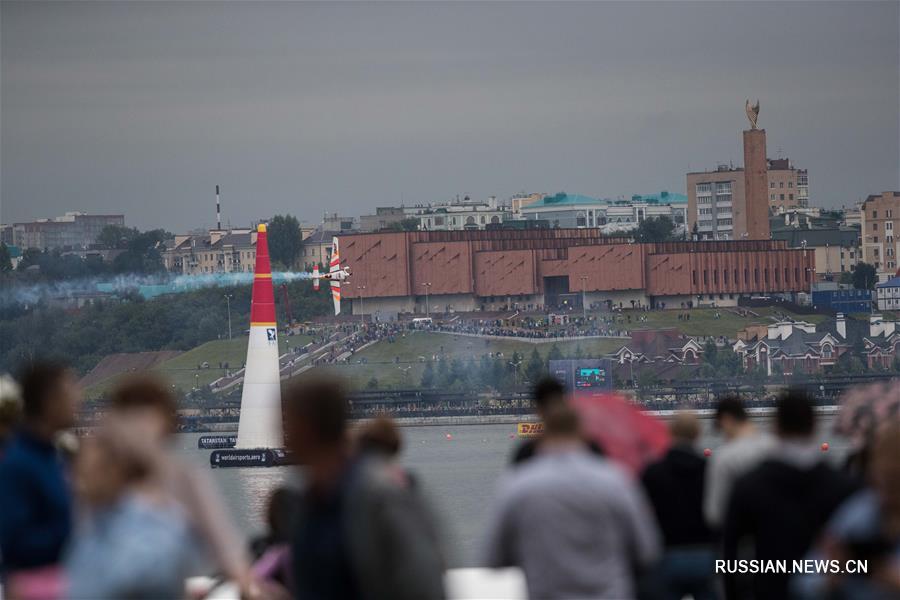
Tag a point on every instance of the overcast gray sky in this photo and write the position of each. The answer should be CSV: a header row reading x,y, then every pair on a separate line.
x,y
142,108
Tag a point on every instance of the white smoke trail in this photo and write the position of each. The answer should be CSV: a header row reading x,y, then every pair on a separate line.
x,y
145,285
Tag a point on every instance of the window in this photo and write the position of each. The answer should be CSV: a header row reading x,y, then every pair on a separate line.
x,y
790,196
771,196
755,275
771,184
694,276
889,225
874,226
704,189
874,214
716,277
705,277
781,196
781,184
790,184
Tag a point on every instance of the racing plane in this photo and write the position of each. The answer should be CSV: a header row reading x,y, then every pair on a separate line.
x,y
335,274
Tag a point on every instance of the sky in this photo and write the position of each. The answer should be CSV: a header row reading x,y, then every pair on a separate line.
x,y
142,108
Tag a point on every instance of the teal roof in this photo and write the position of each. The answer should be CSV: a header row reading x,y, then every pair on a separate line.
x,y
564,199
14,251
662,197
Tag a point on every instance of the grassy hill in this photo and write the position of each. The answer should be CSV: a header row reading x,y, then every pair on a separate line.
x,y
183,372
703,321
400,364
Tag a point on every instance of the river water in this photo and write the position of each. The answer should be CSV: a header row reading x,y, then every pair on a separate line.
x,y
459,477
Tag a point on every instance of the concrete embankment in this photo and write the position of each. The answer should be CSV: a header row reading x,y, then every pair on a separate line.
x,y
704,413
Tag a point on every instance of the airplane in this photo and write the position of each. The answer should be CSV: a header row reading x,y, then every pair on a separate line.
x,y
335,274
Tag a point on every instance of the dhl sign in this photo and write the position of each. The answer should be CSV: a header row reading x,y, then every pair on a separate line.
x,y
530,429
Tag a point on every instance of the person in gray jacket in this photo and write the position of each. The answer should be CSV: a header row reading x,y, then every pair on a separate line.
x,y
577,525
362,531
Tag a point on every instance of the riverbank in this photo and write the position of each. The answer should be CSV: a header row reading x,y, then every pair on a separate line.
x,y
465,420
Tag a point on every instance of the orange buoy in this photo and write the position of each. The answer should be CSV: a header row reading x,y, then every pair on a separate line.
x,y
824,446
707,452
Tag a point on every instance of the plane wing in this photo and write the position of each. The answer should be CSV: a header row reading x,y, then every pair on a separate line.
x,y
336,296
335,264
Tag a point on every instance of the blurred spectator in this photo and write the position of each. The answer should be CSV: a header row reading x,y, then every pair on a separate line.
x,y
272,551
744,448
779,508
674,486
10,409
361,533
35,503
145,406
577,525
866,528
548,393
132,540
379,436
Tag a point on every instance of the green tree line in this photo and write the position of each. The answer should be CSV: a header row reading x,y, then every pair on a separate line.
x,y
172,322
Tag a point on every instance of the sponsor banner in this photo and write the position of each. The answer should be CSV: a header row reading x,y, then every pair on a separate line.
x,y
529,429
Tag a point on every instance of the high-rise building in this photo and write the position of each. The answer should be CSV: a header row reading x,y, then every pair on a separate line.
x,y
788,186
880,244
732,203
715,199
74,230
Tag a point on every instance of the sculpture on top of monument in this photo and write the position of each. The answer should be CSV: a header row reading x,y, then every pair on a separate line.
x,y
752,113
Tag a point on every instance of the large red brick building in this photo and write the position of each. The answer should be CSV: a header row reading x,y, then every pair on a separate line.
x,y
440,271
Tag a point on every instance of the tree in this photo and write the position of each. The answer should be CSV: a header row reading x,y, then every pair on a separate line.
x,y
407,224
284,239
116,237
428,375
846,278
655,229
536,367
864,277
5,260
555,353
711,353
142,254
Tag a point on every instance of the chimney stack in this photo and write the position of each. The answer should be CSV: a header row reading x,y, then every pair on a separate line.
x,y
218,210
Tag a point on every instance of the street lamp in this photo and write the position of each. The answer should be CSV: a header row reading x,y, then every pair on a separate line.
x,y
426,286
583,305
228,298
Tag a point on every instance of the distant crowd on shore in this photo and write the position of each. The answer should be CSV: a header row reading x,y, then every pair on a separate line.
x,y
118,514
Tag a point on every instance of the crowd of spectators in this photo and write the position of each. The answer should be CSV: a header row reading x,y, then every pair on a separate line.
x,y
119,513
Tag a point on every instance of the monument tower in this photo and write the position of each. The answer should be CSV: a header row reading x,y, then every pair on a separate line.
x,y
756,199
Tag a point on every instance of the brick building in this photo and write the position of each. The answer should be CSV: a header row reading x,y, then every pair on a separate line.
x,y
495,270
788,186
880,244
